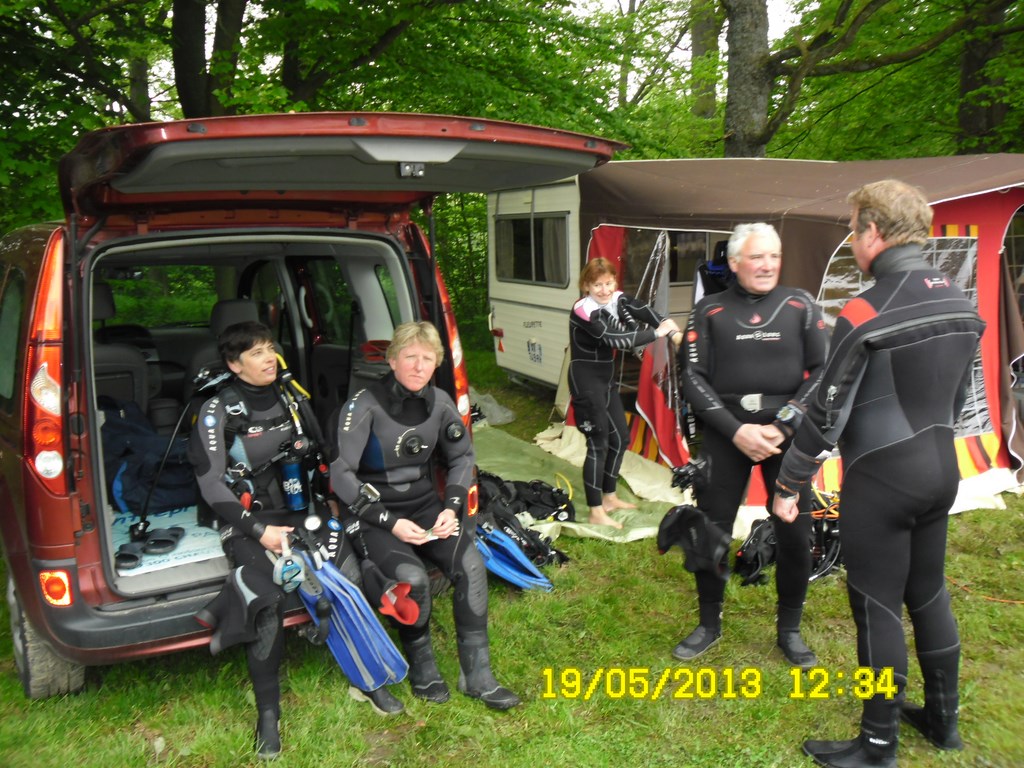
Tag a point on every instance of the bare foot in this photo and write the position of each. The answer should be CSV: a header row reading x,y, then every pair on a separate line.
x,y
598,516
611,501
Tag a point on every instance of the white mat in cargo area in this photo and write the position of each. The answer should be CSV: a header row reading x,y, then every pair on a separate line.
x,y
199,542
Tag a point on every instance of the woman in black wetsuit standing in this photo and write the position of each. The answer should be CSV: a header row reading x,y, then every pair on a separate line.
x,y
605,320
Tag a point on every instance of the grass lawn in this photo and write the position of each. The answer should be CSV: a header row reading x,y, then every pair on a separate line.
x,y
587,659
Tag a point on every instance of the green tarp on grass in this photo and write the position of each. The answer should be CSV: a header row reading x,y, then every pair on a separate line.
x,y
514,459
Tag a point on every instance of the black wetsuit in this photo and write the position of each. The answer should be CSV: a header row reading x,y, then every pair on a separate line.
x,y
395,439
895,381
250,609
594,335
746,356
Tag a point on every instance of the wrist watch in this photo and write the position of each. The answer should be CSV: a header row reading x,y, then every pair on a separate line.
x,y
788,415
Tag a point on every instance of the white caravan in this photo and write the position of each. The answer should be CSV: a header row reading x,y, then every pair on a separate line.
x,y
538,241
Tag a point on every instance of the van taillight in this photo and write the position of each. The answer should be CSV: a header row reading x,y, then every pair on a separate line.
x,y
461,377
44,425
455,344
56,586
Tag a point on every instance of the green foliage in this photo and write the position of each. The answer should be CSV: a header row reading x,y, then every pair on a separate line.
x,y
461,251
184,294
905,109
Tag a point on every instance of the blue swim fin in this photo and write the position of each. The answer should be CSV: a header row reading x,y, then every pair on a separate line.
x,y
358,642
506,560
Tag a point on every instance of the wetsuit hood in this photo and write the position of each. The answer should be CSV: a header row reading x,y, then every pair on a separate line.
x,y
259,397
397,394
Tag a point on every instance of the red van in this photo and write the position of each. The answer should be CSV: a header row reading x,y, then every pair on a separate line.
x,y
172,231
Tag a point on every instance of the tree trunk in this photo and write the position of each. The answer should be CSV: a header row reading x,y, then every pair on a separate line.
x,y
749,81
230,14
188,42
138,90
979,116
705,27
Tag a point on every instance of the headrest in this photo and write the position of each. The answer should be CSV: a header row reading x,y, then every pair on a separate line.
x,y
230,311
720,256
102,301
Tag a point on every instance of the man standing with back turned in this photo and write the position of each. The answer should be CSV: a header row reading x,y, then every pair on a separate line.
x,y
895,381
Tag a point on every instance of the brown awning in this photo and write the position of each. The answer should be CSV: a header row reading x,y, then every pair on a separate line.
x,y
804,199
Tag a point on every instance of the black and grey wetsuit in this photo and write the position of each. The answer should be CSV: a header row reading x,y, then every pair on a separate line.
x,y
395,440
746,356
250,608
595,333
895,381
263,427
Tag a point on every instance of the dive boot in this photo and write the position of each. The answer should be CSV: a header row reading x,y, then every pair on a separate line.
x,y
382,700
475,677
795,650
788,638
848,754
705,636
696,643
940,730
937,719
876,745
268,737
424,676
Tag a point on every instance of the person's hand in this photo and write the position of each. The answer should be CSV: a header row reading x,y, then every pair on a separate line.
x,y
447,524
668,326
785,508
409,532
271,538
773,434
750,439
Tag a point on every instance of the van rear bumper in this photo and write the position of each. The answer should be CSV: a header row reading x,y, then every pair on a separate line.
x,y
130,629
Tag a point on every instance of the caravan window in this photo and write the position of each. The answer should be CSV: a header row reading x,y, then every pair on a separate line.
x,y
532,249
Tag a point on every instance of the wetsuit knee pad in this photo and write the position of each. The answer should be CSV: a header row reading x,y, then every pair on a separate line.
x,y
419,588
470,582
268,627
350,569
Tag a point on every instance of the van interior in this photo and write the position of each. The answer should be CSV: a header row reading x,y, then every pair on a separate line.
x,y
156,308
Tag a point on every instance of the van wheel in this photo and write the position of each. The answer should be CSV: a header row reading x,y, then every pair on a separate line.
x,y
43,673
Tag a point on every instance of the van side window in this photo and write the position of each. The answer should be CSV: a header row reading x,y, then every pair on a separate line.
x,y
532,249
269,296
333,301
387,286
12,302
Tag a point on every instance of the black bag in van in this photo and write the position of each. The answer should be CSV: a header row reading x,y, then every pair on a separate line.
x,y
132,455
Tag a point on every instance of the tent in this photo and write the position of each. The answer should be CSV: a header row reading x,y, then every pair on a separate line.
x,y
974,197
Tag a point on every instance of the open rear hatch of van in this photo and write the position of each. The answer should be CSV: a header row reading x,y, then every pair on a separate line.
x,y
307,217
321,159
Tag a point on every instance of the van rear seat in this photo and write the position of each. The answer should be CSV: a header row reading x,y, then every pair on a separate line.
x,y
119,370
